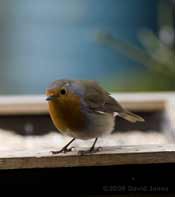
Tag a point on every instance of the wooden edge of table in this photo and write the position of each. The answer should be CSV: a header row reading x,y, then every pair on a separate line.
x,y
36,104
121,155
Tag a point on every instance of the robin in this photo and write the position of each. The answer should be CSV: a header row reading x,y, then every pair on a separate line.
x,y
82,109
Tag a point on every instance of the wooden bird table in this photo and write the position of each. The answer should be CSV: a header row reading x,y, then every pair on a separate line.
x,y
158,109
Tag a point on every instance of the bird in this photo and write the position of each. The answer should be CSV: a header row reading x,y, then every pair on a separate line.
x,y
82,109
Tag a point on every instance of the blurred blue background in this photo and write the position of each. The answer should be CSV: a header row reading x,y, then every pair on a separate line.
x,y
44,40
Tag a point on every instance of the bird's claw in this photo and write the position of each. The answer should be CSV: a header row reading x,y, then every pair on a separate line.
x,y
85,152
63,150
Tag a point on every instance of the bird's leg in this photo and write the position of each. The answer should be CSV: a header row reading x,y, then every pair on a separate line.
x,y
65,149
92,149
93,145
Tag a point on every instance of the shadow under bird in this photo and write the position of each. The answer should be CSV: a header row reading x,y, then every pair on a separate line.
x,y
82,109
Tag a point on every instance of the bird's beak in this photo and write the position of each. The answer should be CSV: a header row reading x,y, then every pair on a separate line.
x,y
51,98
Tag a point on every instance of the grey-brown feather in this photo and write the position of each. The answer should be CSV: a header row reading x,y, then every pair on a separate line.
x,y
100,100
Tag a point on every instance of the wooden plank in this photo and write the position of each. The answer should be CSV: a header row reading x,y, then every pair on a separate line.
x,y
169,120
23,104
110,155
36,104
140,154
170,111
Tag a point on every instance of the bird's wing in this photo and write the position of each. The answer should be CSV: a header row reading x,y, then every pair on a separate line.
x,y
98,99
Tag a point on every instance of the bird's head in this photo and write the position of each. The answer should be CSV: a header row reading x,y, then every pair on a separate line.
x,y
65,100
64,89
57,90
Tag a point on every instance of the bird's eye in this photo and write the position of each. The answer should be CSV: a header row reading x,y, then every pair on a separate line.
x,y
63,91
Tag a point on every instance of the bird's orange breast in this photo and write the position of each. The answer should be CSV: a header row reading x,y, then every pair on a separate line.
x,y
66,113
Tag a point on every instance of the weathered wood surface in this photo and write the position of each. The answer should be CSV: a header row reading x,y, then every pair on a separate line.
x,y
29,104
140,154
36,104
108,156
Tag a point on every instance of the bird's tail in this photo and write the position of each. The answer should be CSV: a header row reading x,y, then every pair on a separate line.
x,y
131,117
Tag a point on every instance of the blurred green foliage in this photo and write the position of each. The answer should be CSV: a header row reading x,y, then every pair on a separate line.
x,y
157,55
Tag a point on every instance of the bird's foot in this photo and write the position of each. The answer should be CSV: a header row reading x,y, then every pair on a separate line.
x,y
86,152
63,150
